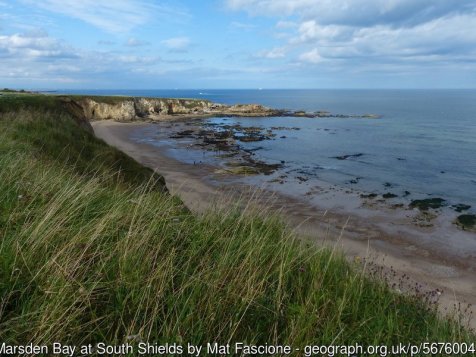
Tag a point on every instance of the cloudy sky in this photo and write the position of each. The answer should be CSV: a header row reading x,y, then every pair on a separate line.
x,y
146,44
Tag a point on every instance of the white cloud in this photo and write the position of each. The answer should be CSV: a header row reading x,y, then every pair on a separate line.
x,y
134,42
177,44
116,16
242,26
106,43
33,45
286,24
432,39
312,56
357,12
372,31
311,31
134,59
36,58
277,52
274,7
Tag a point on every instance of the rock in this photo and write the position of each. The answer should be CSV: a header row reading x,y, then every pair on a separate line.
x,y
345,157
132,108
239,170
425,204
127,109
461,207
370,195
123,111
466,221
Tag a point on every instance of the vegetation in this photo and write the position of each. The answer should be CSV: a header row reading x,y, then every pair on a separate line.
x,y
8,90
92,249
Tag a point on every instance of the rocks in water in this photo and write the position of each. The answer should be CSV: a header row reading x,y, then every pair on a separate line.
x,y
425,204
389,195
466,222
406,193
252,136
248,166
225,134
325,114
238,132
370,195
263,167
224,137
345,157
183,134
425,219
239,170
388,184
461,207
355,181
247,110
284,128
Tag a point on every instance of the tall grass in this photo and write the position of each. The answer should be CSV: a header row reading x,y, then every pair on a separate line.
x,y
91,253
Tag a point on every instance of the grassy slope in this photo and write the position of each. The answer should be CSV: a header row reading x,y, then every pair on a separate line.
x,y
92,250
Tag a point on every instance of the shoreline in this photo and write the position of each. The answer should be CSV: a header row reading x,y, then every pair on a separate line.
x,y
358,238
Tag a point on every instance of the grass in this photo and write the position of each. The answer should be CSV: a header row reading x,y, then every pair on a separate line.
x,y
92,249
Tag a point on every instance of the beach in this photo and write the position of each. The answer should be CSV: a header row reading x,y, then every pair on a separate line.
x,y
404,253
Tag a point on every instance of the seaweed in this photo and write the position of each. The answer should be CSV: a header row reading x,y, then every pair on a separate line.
x,y
460,207
425,204
466,221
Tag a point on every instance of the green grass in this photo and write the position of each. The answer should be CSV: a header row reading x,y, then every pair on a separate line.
x,y
93,250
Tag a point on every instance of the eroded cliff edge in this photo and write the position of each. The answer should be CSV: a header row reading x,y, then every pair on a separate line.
x,y
130,109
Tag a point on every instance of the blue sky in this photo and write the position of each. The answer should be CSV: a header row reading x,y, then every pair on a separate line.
x,y
153,44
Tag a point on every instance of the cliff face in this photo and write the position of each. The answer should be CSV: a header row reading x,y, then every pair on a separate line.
x,y
129,109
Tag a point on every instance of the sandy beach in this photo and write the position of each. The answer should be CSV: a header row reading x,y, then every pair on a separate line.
x,y
405,255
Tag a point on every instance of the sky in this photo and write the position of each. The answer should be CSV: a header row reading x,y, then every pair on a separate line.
x,y
154,44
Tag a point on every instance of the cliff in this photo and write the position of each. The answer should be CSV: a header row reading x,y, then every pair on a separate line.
x,y
129,109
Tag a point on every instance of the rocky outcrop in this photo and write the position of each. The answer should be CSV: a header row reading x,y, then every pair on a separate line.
x,y
129,109
123,111
148,106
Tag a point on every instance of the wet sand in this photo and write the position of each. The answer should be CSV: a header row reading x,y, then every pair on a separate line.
x,y
402,252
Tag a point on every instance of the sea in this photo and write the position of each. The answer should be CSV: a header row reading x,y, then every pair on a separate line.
x,y
423,144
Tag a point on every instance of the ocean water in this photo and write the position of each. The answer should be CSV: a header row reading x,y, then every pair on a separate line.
x,y
424,143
